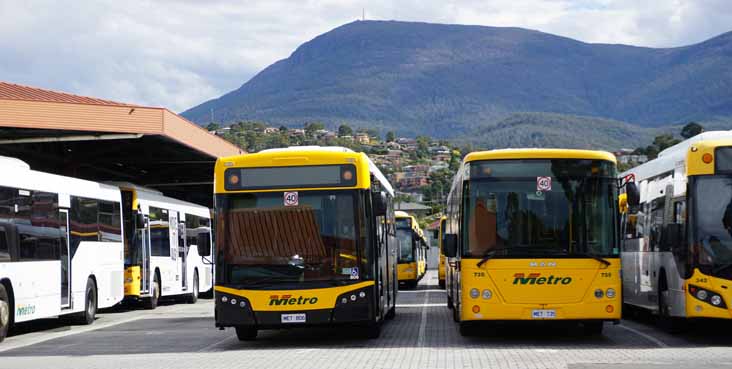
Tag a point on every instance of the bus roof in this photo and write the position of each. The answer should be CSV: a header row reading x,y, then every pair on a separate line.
x,y
303,155
668,159
540,154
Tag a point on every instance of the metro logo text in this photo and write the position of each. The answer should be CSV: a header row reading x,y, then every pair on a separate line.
x,y
289,300
537,279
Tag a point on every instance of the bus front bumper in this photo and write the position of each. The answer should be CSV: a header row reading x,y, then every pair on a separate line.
x,y
240,313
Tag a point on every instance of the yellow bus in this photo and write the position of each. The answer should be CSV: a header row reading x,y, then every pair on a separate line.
x,y
677,232
412,250
441,268
305,236
533,236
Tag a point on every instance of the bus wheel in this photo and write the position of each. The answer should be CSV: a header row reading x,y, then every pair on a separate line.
x,y
666,321
152,302
90,304
593,327
4,312
372,330
466,329
456,313
391,313
244,333
441,283
194,291
449,302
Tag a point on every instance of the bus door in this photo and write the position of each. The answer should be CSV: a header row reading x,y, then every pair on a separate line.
x,y
182,251
144,235
65,258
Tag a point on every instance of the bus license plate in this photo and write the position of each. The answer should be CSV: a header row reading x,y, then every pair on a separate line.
x,y
543,314
293,318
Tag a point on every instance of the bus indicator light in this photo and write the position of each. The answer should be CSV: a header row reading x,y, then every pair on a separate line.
x,y
234,179
476,309
609,309
707,158
347,175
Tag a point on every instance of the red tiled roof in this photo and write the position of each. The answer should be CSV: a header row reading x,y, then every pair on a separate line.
x,y
11,91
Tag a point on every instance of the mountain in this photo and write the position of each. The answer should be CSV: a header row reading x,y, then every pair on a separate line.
x,y
457,81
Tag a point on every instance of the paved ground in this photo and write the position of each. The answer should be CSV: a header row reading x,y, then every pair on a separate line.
x,y
422,336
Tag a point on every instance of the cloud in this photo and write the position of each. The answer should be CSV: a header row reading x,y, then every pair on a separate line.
x,y
179,53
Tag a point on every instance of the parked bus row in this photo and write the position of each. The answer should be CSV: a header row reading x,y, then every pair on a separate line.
x,y
308,236
69,247
412,250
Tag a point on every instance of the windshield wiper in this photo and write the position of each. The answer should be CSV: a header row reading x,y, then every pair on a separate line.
x,y
490,253
592,256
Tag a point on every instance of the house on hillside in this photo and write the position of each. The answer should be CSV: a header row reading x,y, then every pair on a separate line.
x,y
413,208
363,138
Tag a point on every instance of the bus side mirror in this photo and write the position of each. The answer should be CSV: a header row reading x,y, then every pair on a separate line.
x,y
450,245
139,221
633,194
379,201
203,243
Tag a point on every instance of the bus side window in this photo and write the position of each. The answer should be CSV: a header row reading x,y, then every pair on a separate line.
x,y
657,223
84,220
680,212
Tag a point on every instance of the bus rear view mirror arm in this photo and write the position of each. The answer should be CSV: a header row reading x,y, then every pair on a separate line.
x,y
633,194
379,201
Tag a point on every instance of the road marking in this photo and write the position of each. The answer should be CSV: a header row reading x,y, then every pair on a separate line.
x,y
425,305
423,322
419,291
209,347
648,337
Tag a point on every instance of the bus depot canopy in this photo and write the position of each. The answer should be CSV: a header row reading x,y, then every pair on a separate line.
x,y
103,140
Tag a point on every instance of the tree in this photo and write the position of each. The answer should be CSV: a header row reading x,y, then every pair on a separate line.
x,y
213,126
423,146
665,141
390,136
345,130
311,128
691,129
283,129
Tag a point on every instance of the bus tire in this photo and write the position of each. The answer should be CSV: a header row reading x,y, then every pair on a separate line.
x,y
441,283
152,302
391,313
593,327
372,330
193,297
456,313
667,322
5,309
449,302
246,333
466,329
90,304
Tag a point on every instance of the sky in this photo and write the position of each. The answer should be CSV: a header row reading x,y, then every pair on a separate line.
x,y
178,54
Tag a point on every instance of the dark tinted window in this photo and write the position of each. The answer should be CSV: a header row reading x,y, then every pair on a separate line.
x,y
194,226
159,232
83,216
39,236
110,229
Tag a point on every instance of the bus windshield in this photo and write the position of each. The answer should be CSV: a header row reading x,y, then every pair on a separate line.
x,y
406,251
713,218
316,237
549,208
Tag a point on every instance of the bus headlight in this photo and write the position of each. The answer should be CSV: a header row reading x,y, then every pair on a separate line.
x,y
224,299
599,293
702,295
487,294
716,300
474,293
610,293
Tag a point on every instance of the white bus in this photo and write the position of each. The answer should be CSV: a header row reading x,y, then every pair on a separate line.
x,y
677,232
60,246
162,253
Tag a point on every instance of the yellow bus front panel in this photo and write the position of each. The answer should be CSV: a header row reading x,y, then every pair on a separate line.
x,y
277,308
441,269
133,278
708,297
540,289
407,272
